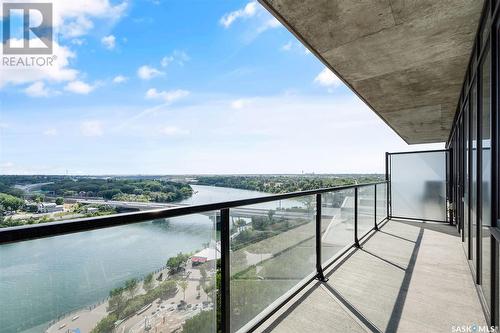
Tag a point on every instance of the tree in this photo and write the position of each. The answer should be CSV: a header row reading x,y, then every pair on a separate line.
x,y
131,286
59,201
38,198
259,223
105,325
109,194
183,284
240,223
117,302
174,263
10,202
148,282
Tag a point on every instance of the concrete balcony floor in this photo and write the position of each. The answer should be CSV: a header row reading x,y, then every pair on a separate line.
x,y
407,277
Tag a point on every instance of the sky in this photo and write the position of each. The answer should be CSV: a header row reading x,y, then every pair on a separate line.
x,y
183,87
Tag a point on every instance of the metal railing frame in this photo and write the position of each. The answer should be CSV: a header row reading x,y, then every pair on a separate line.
x,y
30,232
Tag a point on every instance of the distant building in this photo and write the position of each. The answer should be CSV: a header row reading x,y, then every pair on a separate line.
x,y
91,209
49,207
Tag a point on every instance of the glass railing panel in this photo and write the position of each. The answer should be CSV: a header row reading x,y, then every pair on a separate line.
x,y
272,250
156,276
366,209
337,222
381,202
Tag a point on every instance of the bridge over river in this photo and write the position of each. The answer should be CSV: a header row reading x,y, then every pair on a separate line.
x,y
239,212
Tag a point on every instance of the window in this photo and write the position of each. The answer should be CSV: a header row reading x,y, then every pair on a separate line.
x,y
486,174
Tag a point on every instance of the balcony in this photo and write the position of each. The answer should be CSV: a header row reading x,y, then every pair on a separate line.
x,y
407,277
334,259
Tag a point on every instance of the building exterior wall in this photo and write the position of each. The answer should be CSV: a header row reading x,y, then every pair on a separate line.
x,y
473,164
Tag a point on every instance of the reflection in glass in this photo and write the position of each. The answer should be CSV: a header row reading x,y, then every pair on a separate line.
x,y
366,209
272,250
381,202
337,222
466,211
157,275
486,176
473,173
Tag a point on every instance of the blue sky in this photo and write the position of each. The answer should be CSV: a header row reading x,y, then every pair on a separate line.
x,y
176,87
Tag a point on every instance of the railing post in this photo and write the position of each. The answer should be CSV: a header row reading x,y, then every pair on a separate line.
x,y
225,270
375,208
319,269
356,239
387,187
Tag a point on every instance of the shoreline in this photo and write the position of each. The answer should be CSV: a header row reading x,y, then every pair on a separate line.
x,y
90,316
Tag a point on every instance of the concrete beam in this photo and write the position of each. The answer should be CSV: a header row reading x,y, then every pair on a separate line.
x,y
405,59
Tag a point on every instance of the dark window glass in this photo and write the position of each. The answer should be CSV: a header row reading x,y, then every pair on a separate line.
x,y
465,212
486,174
473,171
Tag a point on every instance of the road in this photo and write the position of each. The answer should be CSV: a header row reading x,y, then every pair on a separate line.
x,y
126,204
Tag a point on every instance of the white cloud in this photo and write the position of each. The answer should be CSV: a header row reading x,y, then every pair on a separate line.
x,y
173,131
79,87
71,21
74,19
120,79
50,132
147,73
249,10
269,24
37,89
260,21
79,26
78,41
287,46
58,72
167,96
180,57
91,128
296,47
327,78
109,42
240,103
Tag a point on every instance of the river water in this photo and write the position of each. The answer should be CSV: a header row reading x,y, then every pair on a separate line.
x,y
44,279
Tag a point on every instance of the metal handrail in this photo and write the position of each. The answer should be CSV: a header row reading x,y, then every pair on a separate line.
x,y
27,232
22,233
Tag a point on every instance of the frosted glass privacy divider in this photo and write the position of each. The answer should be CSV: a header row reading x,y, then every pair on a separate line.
x,y
418,185
272,251
113,279
337,222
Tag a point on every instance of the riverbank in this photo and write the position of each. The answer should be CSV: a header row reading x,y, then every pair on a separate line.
x,y
70,272
169,314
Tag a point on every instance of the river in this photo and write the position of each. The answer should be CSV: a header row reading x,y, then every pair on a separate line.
x,y
41,280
